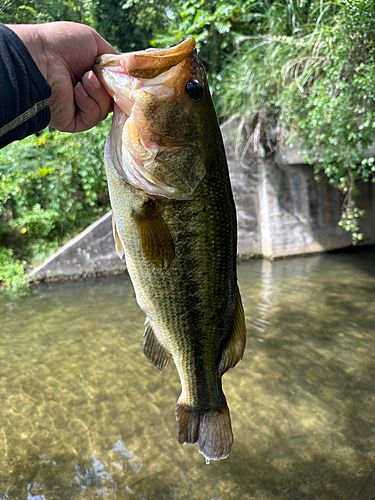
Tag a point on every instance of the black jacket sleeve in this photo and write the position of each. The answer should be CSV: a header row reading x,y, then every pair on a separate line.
x,y
24,92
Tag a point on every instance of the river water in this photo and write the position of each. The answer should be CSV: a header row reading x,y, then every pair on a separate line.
x,y
83,415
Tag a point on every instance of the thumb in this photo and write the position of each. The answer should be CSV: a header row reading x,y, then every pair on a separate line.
x,y
103,46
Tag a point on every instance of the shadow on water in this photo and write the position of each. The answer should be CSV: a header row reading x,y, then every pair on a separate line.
x,y
316,478
362,257
83,415
324,451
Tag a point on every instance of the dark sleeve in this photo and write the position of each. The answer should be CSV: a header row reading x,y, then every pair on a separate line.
x,y
24,92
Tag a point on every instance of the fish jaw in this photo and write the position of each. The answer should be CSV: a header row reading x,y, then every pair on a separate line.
x,y
148,63
126,89
154,71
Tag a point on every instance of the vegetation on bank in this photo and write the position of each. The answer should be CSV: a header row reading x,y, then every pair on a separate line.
x,y
52,185
313,78
306,67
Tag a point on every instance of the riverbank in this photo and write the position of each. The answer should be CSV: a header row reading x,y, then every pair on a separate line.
x,y
281,211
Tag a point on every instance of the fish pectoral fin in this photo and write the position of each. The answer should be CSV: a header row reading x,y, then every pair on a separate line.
x,y
235,347
156,240
153,350
118,243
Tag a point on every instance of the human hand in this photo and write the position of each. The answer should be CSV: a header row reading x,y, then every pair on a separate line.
x,y
65,52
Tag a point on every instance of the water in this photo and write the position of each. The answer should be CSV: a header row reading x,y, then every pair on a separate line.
x,y
83,415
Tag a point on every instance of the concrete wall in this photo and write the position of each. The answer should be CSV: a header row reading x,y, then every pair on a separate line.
x,y
281,211
91,253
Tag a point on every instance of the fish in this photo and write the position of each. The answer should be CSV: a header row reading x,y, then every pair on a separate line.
x,y
174,223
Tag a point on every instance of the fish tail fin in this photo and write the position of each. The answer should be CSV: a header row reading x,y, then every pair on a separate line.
x,y
211,428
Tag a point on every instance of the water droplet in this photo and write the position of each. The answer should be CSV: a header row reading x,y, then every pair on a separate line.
x,y
207,461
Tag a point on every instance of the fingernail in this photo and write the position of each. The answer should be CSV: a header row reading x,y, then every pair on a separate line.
x,y
94,80
80,89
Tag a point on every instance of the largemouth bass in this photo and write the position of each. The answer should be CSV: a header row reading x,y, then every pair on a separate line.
x,y
175,224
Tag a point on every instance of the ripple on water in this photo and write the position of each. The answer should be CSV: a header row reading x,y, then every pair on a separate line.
x,y
84,415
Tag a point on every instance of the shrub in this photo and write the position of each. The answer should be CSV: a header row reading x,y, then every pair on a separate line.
x,y
52,185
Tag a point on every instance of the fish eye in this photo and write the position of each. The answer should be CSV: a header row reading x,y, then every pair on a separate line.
x,y
194,90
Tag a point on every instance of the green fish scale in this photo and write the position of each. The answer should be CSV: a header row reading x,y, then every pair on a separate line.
x,y
191,304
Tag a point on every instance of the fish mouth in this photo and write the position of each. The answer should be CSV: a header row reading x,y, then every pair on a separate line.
x,y
149,63
154,71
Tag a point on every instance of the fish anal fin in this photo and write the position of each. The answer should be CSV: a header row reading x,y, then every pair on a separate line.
x,y
153,350
156,240
118,243
211,428
233,351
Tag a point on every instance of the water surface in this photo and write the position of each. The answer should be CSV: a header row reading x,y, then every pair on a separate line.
x,y
83,415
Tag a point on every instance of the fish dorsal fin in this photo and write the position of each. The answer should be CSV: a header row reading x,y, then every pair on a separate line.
x,y
156,240
153,350
235,347
118,243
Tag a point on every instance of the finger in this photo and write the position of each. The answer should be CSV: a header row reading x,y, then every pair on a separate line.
x,y
88,111
96,91
104,47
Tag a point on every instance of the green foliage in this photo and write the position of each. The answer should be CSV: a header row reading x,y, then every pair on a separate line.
x,y
214,25
41,11
350,221
11,270
282,50
312,67
51,187
130,24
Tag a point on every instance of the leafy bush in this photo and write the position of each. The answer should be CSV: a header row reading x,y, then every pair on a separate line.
x,y
52,185
214,24
11,270
311,66
42,11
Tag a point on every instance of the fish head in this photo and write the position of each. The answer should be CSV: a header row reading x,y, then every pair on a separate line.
x,y
163,108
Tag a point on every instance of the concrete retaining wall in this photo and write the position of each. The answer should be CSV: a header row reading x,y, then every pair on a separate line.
x,y
91,253
281,211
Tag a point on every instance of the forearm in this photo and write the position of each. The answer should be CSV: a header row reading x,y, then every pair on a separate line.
x,y
25,93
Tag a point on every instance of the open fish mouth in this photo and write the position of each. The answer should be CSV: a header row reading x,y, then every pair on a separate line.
x,y
154,71
148,63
